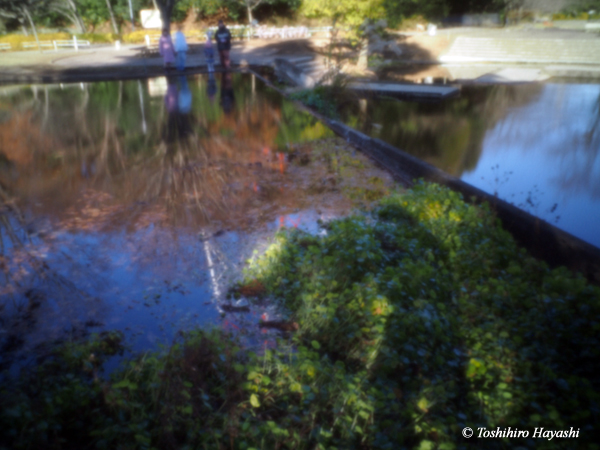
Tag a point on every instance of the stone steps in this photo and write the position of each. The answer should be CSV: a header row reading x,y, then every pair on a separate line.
x,y
556,51
314,67
306,71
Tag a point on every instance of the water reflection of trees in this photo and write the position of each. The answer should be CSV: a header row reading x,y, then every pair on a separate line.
x,y
582,157
560,130
107,156
205,163
447,134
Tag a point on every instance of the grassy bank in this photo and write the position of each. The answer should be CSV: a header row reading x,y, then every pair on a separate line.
x,y
412,322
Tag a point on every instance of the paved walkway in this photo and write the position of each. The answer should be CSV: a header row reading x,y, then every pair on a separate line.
x,y
84,65
523,50
467,54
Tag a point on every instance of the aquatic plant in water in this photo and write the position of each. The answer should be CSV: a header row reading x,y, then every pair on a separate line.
x,y
414,321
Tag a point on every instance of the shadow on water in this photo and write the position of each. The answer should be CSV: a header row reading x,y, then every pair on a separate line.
x,y
132,205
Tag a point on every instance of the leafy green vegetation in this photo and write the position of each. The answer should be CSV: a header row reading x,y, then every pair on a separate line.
x,y
320,99
413,321
328,100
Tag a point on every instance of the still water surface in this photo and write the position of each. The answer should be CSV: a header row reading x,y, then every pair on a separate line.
x,y
534,145
133,205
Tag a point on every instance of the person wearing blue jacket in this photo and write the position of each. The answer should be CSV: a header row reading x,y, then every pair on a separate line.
x,y
181,47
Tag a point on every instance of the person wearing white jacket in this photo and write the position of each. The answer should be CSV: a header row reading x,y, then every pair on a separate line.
x,y
181,47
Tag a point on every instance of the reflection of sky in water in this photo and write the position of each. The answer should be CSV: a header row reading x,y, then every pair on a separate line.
x,y
150,284
544,158
535,145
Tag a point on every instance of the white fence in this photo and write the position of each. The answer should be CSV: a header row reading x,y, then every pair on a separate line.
x,y
5,46
151,40
266,32
35,44
75,43
246,32
592,26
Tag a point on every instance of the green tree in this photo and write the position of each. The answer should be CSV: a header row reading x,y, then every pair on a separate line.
x,y
396,10
352,13
348,12
24,10
71,10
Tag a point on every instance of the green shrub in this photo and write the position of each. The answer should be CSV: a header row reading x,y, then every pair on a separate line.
x,y
98,38
447,322
326,99
412,322
139,36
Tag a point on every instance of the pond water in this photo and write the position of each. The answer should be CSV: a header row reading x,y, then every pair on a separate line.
x,y
133,205
535,145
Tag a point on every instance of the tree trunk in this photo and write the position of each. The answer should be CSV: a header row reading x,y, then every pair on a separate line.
x,y
24,28
165,7
26,12
250,5
112,17
166,19
76,17
363,55
131,16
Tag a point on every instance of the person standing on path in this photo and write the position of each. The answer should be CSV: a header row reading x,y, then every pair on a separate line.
x,y
165,48
223,37
209,53
181,48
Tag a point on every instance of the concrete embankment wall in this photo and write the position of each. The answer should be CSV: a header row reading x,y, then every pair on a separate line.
x,y
543,240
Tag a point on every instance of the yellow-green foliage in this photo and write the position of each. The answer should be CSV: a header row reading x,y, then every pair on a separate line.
x,y
410,23
575,16
350,12
16,40
99,38
138,37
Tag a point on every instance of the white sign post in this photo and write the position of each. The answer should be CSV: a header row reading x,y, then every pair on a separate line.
x,y
150,18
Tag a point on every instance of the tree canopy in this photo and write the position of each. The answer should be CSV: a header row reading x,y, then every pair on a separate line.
x,y
88,14
351,12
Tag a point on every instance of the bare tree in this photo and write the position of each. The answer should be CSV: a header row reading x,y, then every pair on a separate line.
x,y
22,11
112,17
250,5
68,8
